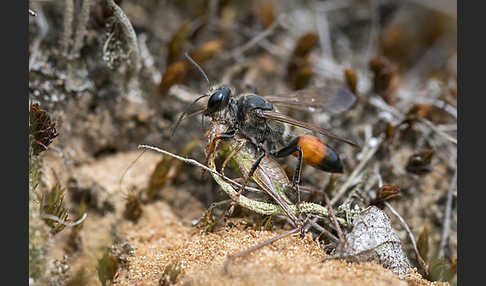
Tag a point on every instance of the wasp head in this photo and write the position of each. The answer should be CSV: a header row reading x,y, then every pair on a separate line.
x,y
218,100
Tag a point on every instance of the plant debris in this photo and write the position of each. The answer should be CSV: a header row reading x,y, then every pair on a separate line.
x,y
41,128
374,239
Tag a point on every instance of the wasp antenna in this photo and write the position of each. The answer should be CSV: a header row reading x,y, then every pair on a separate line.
x,y
198,67
186,110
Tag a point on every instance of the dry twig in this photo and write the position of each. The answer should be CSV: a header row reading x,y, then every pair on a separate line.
x,y
57,219
238,52
447,216
410,235
129,34
366,157
81,28
67,26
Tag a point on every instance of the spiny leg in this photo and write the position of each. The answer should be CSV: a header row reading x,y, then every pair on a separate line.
x,y
212,145
296,184
291,148
257,246
209,227
243,185
232,154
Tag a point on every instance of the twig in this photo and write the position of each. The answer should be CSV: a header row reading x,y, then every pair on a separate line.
x,y
195,163
238,52
323,230
328,6
129,33
324,34
69,224
410,235
128,168
255,247
43,29
67,26
374,31
213,12
253,205
379,103
447,216
333,216
367,156
81,28
264,43
438,131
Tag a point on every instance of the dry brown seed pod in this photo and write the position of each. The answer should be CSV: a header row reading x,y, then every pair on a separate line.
x,y
386,193
351,79
41,128
385,79
419,163
429,112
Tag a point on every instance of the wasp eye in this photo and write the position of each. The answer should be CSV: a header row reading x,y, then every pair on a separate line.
x,y
219,99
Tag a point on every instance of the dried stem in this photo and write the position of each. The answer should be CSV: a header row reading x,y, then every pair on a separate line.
x,y
129,33
333,216
67,26
238,52
438,131
367,156
258,246
323,230
447,216
69,224
43,29
410,235
81,28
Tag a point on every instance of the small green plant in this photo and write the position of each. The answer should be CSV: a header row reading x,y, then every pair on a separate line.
x,y
52,206
170,274
107,267
133,207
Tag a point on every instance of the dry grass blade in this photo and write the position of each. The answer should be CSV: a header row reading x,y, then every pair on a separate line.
x,y
366,157
421,261
447,216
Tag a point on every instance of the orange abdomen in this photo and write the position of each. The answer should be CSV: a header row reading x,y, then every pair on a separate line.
x,y
317,154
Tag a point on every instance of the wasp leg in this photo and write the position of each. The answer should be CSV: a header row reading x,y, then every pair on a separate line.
x,y
247,178
212,145
296,184
232,154
286,151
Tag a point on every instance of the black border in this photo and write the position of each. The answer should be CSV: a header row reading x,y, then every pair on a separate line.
x,y
471,60
471,94
14,115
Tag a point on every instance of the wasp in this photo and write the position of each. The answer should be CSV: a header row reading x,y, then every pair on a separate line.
x,y
269,176
257,119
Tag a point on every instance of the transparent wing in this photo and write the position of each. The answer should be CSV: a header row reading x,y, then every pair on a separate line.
x,y
286,119
330,99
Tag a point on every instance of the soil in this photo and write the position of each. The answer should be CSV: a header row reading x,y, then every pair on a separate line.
x,y
101,118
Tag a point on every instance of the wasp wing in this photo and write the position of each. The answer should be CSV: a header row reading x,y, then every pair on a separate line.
x,y
333,100
272,115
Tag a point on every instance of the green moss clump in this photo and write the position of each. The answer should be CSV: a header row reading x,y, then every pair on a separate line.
x,y
107,267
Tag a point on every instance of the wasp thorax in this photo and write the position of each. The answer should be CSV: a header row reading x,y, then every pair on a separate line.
x,y
218,100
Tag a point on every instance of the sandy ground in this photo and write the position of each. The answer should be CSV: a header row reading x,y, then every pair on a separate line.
x,y
162,237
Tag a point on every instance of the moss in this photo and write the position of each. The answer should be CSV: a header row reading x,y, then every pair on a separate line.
x,y
170,274
52,203
107,267
133,207
38,234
